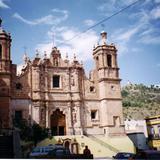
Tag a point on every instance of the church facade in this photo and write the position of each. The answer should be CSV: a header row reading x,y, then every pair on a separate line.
x,y
55,92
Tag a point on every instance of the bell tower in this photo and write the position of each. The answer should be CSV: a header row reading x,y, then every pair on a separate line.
x,y
5,78
5,45
111,116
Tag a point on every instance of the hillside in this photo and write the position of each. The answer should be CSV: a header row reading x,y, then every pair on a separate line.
x,y
140,101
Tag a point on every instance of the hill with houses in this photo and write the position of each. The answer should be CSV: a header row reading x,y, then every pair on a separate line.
x,y
140,101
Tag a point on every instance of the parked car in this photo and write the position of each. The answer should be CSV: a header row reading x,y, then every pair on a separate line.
x,y
58,152
40,151
124,155
63,153
147,155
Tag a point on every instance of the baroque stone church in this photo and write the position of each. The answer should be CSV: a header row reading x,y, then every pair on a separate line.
x,y
55,92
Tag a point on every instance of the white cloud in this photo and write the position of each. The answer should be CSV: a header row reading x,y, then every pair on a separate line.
x,y
48,19
3,5
19,68
44,47
107,7
157,1
155,13
122,36
147,32
126,35
122,48
81,45
146,19
63,12
149,39
111,6
16,15
89,22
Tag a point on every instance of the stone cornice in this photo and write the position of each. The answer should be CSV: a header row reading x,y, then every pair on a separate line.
x,y
113,68
121,125
57,101
118,99
5,73
104,47
110,79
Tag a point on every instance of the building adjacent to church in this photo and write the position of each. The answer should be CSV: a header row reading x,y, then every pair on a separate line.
x,y
55,92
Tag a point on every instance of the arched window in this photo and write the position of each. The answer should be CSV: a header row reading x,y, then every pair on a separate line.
x,y
0,51
109,60
97,61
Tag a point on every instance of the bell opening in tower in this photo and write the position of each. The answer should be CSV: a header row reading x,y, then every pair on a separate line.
x,y
109,60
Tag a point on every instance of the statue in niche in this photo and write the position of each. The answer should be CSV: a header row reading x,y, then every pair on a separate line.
x,y
74,117
55,61
72,80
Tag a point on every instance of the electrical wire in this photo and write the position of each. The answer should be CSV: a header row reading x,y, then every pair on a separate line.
x,y
101,21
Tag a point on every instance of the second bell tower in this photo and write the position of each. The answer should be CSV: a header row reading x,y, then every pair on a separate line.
x,y
111,115
5,78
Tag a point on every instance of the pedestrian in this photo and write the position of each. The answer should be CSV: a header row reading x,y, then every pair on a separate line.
x,y
86,151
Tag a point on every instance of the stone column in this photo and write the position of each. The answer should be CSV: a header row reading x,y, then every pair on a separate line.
x,y
36,114
69,123
47,116
46,79
116,65
77,119
36,78
46,84
100,60
105,60
30,113
113,60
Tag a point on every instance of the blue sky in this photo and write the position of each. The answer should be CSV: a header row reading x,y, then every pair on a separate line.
x,y
135,32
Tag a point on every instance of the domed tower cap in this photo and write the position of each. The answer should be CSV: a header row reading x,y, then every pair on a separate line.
x,y
103,37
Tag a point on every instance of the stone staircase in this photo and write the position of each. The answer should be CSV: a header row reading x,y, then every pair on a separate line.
x,y
6,147
97,149
100,146
105,144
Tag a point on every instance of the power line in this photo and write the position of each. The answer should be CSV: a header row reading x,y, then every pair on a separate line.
x,y
102,21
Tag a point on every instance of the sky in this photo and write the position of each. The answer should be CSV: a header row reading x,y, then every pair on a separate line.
x,y
41,24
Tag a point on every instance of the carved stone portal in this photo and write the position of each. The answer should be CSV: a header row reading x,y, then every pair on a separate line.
x,y
58,123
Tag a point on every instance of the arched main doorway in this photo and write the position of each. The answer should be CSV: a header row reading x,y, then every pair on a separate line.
x,y
58,123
